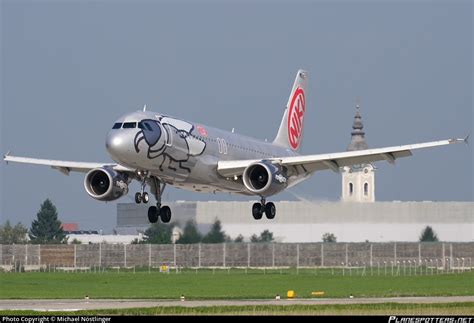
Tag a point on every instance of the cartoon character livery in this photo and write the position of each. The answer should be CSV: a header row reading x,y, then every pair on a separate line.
x,y
170,141
159,150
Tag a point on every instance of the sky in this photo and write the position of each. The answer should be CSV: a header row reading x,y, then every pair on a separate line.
x,y
69,69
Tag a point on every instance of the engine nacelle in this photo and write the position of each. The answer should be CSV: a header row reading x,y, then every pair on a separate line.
x,y
105,184
264,178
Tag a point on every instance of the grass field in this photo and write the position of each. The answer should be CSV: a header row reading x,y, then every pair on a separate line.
x,y
353,309
223,284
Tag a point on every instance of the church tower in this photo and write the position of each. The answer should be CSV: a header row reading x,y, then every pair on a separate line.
x,y
358,181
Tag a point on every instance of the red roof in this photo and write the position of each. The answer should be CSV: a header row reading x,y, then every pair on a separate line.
x,y
70,226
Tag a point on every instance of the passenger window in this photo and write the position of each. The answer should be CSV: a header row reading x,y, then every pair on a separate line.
x,y
129,125
117,125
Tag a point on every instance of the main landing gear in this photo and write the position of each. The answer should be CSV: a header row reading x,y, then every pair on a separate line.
x,y
259,208
158,211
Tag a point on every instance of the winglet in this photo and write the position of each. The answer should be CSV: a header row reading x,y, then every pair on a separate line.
x,y
144,108
5,156
459,140
466,139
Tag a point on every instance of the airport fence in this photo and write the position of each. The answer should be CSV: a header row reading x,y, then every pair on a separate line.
x,y
399,257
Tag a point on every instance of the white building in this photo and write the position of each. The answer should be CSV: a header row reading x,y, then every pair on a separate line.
x,y
105,238
308,221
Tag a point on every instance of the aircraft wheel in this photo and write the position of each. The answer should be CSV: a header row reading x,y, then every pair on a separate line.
x,y
145,197
257,211
270,210
153,214
165,214
138,197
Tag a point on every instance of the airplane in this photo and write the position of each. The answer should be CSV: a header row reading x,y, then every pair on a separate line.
x,y
159,150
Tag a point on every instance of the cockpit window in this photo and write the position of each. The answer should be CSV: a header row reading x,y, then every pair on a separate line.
x,y
129,125
144,125
117,125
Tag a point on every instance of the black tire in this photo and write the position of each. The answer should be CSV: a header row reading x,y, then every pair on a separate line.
x,y
270,210
138,197
145,198
257,211
153,214
165,214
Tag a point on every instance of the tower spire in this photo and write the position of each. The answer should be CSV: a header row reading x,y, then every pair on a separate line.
x,y
358,181
357,135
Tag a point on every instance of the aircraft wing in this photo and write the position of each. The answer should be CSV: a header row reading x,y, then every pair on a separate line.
x,y
65,166
334,161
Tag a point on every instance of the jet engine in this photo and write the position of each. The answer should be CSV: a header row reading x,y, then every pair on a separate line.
x,y
264,178
105,184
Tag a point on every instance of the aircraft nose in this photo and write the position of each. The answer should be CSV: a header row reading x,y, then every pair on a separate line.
x,y
116,145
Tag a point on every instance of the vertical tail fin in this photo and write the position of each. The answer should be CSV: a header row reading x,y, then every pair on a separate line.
x,y
290,133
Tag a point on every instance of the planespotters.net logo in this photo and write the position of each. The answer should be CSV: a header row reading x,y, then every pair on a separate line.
x,y
295,118
416,319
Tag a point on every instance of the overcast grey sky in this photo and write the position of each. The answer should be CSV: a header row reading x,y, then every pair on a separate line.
x,y
69,69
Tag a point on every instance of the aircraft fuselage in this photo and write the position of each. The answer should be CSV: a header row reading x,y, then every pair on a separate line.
x,y
182,153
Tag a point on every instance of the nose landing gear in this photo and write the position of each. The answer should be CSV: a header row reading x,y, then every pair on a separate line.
x,y
259,208
142,196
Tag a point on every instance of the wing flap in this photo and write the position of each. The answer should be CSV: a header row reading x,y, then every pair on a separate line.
x,y
65,166
339,162
334,161
233,168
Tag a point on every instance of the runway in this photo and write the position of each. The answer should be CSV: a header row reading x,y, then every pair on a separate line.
x,y
91,304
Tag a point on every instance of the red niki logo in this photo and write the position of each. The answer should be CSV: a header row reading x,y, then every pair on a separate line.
x,y
202,131
295,118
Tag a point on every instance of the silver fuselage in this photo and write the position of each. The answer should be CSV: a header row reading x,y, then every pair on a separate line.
x,y
186,154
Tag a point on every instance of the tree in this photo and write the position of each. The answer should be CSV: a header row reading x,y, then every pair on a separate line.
x,y
265,236
240,238
216,235
428,235
329,237
11,235
158,233
46,229
190,233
